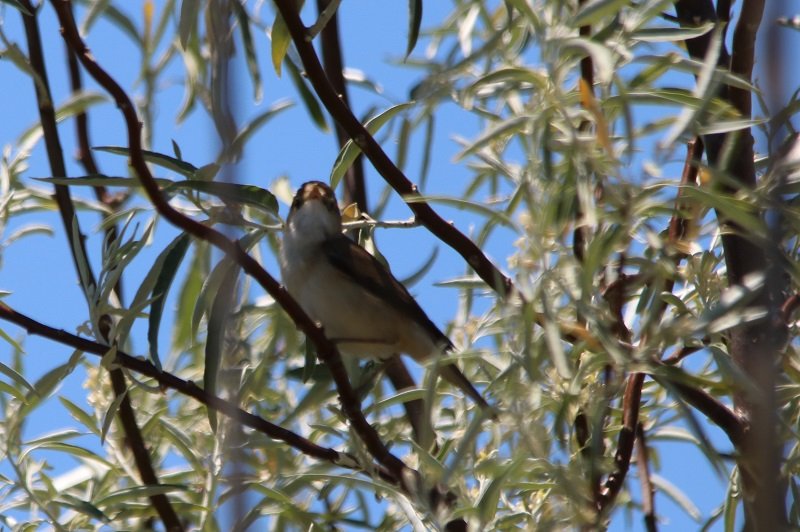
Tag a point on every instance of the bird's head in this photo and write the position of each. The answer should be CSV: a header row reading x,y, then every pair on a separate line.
x,y
314,212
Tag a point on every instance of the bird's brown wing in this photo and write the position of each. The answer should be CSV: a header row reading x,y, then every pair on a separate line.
x,y
364,269
355,262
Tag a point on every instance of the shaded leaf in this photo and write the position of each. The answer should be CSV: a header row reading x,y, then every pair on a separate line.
x,y
168,262
165,161
414,23
350,150
234,192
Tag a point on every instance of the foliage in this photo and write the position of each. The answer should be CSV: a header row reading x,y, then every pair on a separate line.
x,y
618,264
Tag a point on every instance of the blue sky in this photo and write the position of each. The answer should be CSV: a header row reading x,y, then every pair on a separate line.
x,y
374,36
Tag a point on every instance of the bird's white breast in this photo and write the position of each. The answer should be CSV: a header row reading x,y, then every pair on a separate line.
x,y
360,323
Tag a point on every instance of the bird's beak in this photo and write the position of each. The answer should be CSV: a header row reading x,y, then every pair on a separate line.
x,y
313,192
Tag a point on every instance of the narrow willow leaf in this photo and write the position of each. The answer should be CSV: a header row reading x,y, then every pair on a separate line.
x,y
414,23
137,493
671,34
249,49
350,150
487,505
76,104
596,10
80,415
189,298
99,180
165,161
116,17
15,376
82,506
253,125
13,343
415,277
215,337
18,6
172,257
466,205
280,42
187,21
247,194
677,496
498,133
16,393
309,97
110,414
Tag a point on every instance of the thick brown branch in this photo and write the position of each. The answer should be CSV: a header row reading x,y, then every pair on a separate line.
x,y
55,154
627,436
188,388
648,493
443,230
325,349
355,190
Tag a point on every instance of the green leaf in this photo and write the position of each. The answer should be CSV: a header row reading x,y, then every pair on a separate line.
x,y
12,391
677,496
168,261
18,6
281,39
309,97
487,505
188,20
99,180
252,126
83,417
136,493
247,194
249,49
671,34
414,23
82,506
110,414
115,16
497,133
466,205
189,297
4,335
350,150
76,104
215,338
15,376
596,10
159,159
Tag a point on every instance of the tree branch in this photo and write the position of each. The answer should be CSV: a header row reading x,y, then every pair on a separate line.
x,y
190,389
648,493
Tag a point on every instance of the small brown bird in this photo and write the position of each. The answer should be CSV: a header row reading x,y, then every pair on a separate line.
x,y
363,308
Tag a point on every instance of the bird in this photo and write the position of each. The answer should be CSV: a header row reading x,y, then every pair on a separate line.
x,y
363,309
